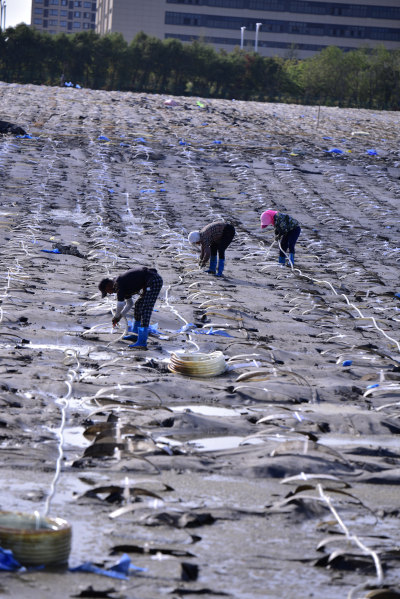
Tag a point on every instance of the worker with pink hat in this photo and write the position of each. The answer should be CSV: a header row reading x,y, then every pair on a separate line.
x,y
287,231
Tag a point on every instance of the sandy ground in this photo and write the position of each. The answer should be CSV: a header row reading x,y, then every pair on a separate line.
x,y
278,478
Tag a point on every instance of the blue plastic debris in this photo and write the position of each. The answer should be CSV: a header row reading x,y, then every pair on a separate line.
x,y
347,363
26,136
142,139
110,190
182,143
217,141
147,191
397,295
103,138
327,137
8,563
212,332
372,152
120,570
187,327
334,151
56,251
373,386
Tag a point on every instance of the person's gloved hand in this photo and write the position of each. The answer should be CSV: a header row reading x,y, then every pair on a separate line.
x,y
115,320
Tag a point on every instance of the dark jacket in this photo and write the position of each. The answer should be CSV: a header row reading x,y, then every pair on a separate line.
x,y
133,281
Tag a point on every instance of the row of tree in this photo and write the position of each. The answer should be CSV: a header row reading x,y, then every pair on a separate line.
x,y
358,78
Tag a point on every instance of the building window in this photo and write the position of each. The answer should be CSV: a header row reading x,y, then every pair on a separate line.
x,y
64,2
77,14
38,11
86,15
63,13
53,22
37,21
53,12
78,3
76,25
86,25
63,23
87,4
53,2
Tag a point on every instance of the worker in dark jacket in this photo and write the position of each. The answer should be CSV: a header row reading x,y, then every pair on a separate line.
x,y
143,280
213,238
287,231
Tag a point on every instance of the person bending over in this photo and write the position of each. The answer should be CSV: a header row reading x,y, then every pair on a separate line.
x,y
145,281
287,231
213,238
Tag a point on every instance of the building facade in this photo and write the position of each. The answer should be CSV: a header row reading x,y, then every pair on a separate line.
x,y
272,27
63,16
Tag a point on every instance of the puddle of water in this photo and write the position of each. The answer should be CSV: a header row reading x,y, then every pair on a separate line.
x,y
377,441
53,346
207,410
221,443
63,291
73,437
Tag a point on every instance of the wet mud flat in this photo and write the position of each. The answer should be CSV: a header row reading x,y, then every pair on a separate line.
x,y
278,478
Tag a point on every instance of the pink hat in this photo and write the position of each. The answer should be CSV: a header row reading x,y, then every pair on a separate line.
x,y
267,218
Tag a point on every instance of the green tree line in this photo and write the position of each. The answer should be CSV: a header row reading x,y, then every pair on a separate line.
x,y
367,78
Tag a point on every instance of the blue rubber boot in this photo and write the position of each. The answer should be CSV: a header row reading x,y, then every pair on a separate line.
x,y
213,265
291,259
282,260
143,333
135,329
221,265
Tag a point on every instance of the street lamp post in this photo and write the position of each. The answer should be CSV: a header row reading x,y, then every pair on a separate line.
x,y
258,25
242,37
2,10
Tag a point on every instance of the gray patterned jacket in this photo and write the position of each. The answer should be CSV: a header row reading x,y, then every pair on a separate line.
x,y
283,224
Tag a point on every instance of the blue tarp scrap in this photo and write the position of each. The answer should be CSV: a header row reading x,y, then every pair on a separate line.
x,y
25,136
190,327
372,152
142,139
103,138
212,332
8,563
347,363
120,570
56,251
334,151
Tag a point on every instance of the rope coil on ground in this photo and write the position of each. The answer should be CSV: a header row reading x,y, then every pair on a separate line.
x,y
198,365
